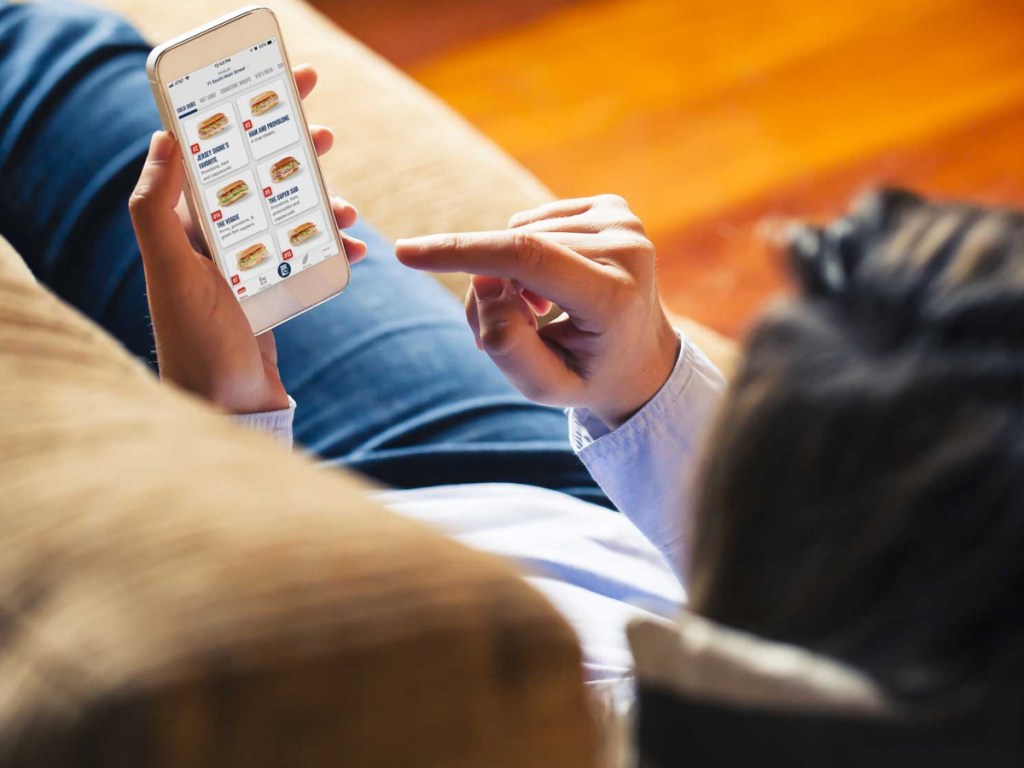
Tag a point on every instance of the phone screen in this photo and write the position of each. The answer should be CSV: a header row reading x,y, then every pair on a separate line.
x,y
252,169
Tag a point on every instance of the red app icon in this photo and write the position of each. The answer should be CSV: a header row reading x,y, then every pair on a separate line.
x,y
267,192
241,290
287,254
217,216
195,149
235,279
247,125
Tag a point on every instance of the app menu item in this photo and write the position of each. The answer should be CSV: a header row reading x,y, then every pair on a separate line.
x,y
235,209
304,242
287,185
215,144
268,119
255,177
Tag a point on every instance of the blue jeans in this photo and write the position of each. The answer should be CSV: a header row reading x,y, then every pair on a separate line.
x,y
387,377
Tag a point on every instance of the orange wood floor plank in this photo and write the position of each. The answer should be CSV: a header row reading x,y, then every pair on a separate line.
x,y
711,116
975,162
407,31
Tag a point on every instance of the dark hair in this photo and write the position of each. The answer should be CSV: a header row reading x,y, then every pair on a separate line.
x,y
863,491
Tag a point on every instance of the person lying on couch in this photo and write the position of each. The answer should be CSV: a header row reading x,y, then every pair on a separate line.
x,y
860,489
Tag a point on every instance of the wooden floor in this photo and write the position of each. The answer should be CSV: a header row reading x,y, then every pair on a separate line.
x,y
717,119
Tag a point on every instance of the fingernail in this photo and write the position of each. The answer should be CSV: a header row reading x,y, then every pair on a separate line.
x,y
411,248
487,288
161,146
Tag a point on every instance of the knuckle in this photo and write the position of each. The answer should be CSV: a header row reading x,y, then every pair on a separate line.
x,y
631,222
140,201
530,251
498,339
612,200
622,289
635,250
623,284
644,250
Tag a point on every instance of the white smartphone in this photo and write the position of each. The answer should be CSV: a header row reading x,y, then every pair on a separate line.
x,y
255,188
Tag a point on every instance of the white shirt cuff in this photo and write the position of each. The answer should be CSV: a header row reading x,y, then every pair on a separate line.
x,y
644,466
585,428
277,423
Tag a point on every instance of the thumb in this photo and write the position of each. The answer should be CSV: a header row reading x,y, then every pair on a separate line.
x,y
152,205
508,333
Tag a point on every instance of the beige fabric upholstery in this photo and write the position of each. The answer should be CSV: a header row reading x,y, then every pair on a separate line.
x,y
699,659
176,591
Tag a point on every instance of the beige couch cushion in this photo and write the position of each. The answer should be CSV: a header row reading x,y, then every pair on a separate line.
x,y
177,591
698,659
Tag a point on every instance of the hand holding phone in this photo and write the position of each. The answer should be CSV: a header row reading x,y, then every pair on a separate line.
x,y
252,182
204,340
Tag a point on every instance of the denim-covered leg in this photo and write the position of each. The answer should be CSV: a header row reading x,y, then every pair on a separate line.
x,y
76,114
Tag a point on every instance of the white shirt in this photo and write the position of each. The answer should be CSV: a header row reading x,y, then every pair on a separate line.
x,y
599,568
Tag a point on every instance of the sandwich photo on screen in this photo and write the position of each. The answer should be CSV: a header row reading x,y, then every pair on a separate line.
x,y
284,168
232,193
213,125
264,102
305,231
251,256
246,154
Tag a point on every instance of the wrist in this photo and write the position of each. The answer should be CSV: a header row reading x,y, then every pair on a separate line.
x,y
646,380
270,397
278,401
237,396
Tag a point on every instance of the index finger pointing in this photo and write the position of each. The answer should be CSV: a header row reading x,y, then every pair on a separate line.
x,y
535,261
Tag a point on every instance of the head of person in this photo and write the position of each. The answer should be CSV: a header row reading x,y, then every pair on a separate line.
x,y
863,490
